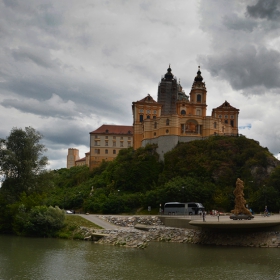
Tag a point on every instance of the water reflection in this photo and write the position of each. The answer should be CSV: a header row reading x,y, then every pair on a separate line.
x,y
26,258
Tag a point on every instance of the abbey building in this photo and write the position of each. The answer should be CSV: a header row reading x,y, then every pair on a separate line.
x,y
175,117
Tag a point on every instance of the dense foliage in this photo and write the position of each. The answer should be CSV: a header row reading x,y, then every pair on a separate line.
x,y
39,221
25,186
202,170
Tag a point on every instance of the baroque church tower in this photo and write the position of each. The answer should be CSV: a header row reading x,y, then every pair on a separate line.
x,y
176,117
167,93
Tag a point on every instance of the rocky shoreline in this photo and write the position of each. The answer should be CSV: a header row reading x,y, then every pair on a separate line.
x,y
127,235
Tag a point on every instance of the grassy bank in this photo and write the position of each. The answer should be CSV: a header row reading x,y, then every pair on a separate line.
x,y
71,229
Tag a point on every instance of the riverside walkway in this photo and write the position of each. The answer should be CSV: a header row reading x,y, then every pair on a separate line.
x,y
100,222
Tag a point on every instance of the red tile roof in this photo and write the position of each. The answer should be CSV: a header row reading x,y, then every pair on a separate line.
x,y
113,129
81,159
148,99
226,105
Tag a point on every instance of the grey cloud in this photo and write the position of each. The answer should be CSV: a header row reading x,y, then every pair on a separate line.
x,y
10,3
108,51
145,5
54,107
244,51
265,9
29,86
38,14
234,22
67,67
38,56
66,133
246,67
89,95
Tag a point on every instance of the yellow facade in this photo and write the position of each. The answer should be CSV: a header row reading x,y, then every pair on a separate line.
x,y
177,117
105,144
107,141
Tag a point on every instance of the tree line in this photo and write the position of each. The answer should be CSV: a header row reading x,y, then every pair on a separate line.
x,y
202,171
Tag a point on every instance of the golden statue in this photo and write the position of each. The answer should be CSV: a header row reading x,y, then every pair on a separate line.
x,y
240,202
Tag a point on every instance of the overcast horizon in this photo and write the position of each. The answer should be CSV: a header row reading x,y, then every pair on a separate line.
x,y
67,67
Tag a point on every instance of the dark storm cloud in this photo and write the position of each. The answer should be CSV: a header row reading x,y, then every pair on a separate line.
x,y
265,9
244,50
66,133
246,67
89,96
236,23
40,58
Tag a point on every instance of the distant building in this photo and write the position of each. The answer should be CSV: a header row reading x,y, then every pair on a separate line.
x,y
73,158
84,160
176,117
107,141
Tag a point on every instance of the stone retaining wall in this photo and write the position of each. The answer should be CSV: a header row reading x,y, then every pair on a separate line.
x,y
128,236
131,221
140,239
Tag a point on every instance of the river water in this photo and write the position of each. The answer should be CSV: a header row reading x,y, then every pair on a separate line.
x,y
55,259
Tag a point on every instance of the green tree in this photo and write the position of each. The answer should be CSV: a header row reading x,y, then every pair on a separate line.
x,y
21,162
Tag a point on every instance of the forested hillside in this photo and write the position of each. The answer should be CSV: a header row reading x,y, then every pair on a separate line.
x,y
204,171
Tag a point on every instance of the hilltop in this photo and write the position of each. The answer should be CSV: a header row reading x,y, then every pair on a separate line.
x,y
202,170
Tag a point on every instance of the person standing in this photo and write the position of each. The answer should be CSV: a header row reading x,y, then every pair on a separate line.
x,y
265,211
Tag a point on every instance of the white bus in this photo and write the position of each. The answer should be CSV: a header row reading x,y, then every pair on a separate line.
x,y
183,208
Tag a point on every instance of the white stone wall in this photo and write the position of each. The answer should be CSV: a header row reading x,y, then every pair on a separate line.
x,y
167,142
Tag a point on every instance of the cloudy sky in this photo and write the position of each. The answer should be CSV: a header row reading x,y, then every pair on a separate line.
x,y
69,66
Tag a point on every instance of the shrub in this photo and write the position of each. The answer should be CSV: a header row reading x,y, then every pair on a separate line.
x,y
40,221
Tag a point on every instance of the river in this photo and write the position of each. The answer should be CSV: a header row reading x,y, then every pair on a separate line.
x,y
55,259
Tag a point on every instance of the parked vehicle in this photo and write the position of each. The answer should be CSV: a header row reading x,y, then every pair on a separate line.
x,y
182,208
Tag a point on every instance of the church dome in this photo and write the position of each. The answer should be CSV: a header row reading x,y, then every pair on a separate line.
x,y
198,77
169,75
